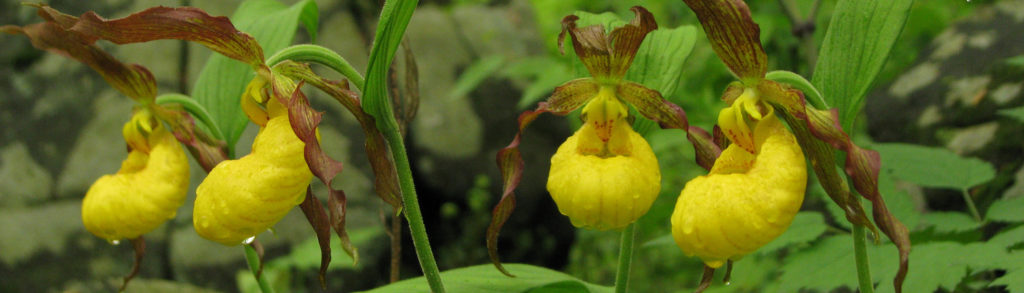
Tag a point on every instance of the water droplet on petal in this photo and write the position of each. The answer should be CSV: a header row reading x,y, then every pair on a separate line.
x,y
249,240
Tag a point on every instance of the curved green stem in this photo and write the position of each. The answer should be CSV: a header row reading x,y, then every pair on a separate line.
x,y
625,258
863,265
254,265
320,55
412,212
197,111
970,205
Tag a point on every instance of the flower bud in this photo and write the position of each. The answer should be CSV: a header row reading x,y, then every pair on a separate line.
x,y
146,191
747,200
244,197
604,176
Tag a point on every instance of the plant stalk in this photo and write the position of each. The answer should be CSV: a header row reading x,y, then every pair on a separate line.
x,y
412,212
254,265
625,258
970,205
863,265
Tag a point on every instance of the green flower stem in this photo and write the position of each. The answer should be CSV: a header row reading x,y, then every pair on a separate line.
x,y
254,265
970,205
861,254
625,258
320,55
413,214
197,111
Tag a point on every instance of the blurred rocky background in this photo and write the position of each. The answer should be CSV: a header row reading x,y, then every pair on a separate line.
x,y
60,130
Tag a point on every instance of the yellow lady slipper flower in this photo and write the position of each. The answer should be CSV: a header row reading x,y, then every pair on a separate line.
x,y
244,197
146,191
750,196
604,176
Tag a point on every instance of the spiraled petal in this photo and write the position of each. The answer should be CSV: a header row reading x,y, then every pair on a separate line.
x,y
244,197
746,201
145,193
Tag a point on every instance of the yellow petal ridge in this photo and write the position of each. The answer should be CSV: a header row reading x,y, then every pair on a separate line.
x,y
244,197
604,192
147,191
747,200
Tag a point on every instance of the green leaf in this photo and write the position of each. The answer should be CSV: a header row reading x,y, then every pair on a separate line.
x,y
933,167
804,268
949,222
1009,237
806,227
394,18
484,278
1015,113
475,74
222,80
1006,210
607,19
659,62
860,36
306,255
1013,280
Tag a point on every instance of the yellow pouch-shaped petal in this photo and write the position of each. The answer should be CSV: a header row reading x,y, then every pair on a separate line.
x,y
746,200
244,197
147,190
604,192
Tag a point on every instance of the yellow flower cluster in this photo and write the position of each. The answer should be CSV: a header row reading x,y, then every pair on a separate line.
x,y
146,191
750,196
604,176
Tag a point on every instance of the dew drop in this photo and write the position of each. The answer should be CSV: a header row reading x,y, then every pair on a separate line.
x,y
115,242
249,240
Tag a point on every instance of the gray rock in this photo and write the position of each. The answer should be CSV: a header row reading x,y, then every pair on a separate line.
x,y
22,180
28,232
99,149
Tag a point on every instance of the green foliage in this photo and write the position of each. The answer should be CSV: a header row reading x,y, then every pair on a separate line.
x,y
484,278
933,167
475,74
857,43
1015,113
1006,210
222,80
806,227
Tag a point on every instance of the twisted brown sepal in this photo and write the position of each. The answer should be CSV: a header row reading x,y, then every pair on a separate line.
x,y
566,98
139,246
653,106
385,175
862,166
207,151
133,80
734,36
314,211
607,56
304,121
161,23
405,93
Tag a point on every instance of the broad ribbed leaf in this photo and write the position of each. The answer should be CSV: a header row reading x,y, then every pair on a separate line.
x,y
934,167
222,80
734,36
482,279
859,39
395,16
